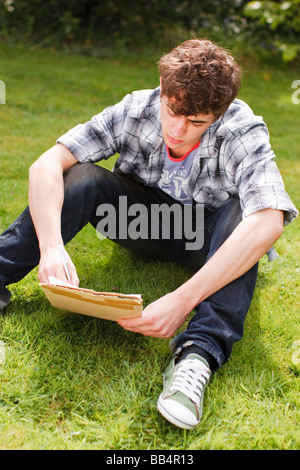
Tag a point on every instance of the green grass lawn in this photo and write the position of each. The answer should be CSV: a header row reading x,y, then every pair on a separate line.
x,y
72,382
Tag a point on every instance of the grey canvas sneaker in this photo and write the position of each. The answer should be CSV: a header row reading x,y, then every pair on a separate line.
x,y
181,400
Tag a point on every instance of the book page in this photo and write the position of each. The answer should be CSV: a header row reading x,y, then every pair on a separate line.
x,y
106,305
54,281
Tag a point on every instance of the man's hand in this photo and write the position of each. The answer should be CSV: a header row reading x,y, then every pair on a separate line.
x,y
251,239
51,265
160,318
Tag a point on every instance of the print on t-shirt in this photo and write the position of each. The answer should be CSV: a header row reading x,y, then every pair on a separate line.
x,y
175,175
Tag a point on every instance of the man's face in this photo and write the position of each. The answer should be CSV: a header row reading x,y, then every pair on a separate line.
x,y
182,133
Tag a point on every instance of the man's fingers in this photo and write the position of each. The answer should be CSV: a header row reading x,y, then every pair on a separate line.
x,y
144,327
51,265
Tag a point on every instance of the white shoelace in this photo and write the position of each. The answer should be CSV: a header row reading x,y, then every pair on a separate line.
x,y
190,379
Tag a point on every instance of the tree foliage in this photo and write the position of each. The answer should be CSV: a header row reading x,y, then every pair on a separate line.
x,y
280,21
141,23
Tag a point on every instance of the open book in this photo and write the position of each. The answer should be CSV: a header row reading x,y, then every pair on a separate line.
x,y
106,305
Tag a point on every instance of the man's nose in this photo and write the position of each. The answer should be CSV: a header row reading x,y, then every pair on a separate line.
x,y
179,126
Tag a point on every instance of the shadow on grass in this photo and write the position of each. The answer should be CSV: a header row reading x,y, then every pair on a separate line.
x,y
94,369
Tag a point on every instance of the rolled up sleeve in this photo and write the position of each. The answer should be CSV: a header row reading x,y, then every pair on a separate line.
x,y
99,138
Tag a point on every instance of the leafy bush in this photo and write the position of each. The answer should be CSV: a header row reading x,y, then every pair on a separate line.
x,y
134,22
279,23
269,26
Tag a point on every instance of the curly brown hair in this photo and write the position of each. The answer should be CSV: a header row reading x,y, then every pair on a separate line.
x,y
202,77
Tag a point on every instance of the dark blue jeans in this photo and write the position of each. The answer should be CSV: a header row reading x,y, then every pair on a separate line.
x,y
218,321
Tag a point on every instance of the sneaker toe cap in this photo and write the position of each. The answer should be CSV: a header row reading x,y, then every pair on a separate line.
x,y
177,413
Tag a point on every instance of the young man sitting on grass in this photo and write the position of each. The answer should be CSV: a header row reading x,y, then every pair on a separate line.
x,y
189,142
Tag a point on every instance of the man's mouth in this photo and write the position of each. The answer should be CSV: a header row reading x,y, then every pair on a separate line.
x,y
174,141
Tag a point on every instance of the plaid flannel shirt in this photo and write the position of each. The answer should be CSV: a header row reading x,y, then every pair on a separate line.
x,y
234,158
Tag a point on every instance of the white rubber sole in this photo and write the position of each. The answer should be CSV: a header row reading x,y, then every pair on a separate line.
x,y
170,417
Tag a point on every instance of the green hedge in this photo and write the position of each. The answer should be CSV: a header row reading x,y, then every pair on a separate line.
x,y
272,26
